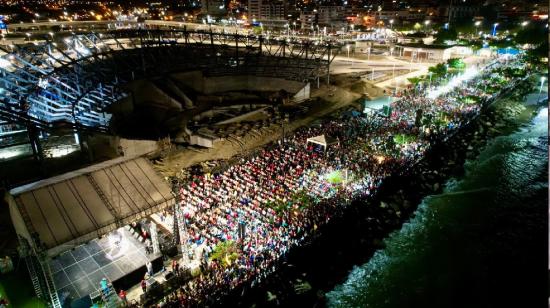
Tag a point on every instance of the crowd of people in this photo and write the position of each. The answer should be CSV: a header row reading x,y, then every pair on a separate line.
x,y
278,197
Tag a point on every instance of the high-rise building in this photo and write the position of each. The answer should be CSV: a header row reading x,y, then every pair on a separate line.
x,y
333,16
273,10
267,10
253,8
213,7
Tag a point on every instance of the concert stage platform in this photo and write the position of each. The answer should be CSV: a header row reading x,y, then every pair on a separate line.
x,y
77,272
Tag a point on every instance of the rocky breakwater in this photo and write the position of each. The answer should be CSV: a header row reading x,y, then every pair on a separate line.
x,y
446,159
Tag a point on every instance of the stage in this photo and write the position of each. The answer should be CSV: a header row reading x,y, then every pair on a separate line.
x,y
77,272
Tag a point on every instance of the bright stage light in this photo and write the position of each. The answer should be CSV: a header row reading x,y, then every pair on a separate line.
x,y
9,153
118,245
467,75
62,151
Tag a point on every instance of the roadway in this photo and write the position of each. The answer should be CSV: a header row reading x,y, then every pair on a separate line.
x,y
341,64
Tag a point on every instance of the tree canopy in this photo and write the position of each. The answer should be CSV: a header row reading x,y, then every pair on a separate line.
x,y
438,70
456,63
445,35
226,252
532,34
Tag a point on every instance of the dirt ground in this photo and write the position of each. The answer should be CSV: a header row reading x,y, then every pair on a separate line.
x,y
343,91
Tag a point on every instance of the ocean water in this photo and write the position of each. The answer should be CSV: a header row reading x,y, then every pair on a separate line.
x,y
480,243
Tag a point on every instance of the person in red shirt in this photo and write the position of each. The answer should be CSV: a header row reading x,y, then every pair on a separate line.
x,y
122,295
144,285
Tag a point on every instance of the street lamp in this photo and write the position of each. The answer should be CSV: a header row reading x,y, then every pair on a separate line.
x,y
318,33
525,23
426,23
347,46
495,28
477,23
391,24
287,30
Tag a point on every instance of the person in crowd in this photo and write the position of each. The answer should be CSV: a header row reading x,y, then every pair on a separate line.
x,y
122,295
149,266
144,285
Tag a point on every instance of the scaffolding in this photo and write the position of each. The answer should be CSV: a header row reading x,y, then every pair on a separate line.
x,y
70,81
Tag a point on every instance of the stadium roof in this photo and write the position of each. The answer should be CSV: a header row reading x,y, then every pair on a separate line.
x,y
78,206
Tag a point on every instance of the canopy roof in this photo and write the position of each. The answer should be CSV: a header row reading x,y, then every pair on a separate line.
x,y
78,206
322,140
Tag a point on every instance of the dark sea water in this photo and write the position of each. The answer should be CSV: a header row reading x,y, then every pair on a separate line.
x,y
481,243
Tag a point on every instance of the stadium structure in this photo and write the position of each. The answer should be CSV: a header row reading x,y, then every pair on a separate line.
x,y
69,82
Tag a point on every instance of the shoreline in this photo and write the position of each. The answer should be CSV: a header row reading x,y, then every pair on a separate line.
x,y
307,272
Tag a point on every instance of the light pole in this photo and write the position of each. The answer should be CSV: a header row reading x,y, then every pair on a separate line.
x,y
477,23
394,81
368,52
318,33
542,79
391,24
495,28
287,30
347,46
426,23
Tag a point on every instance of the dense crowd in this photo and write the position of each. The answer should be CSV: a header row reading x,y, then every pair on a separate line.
x,y
277,198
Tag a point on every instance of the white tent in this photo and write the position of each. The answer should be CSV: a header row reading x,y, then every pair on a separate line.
x,y
322,140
